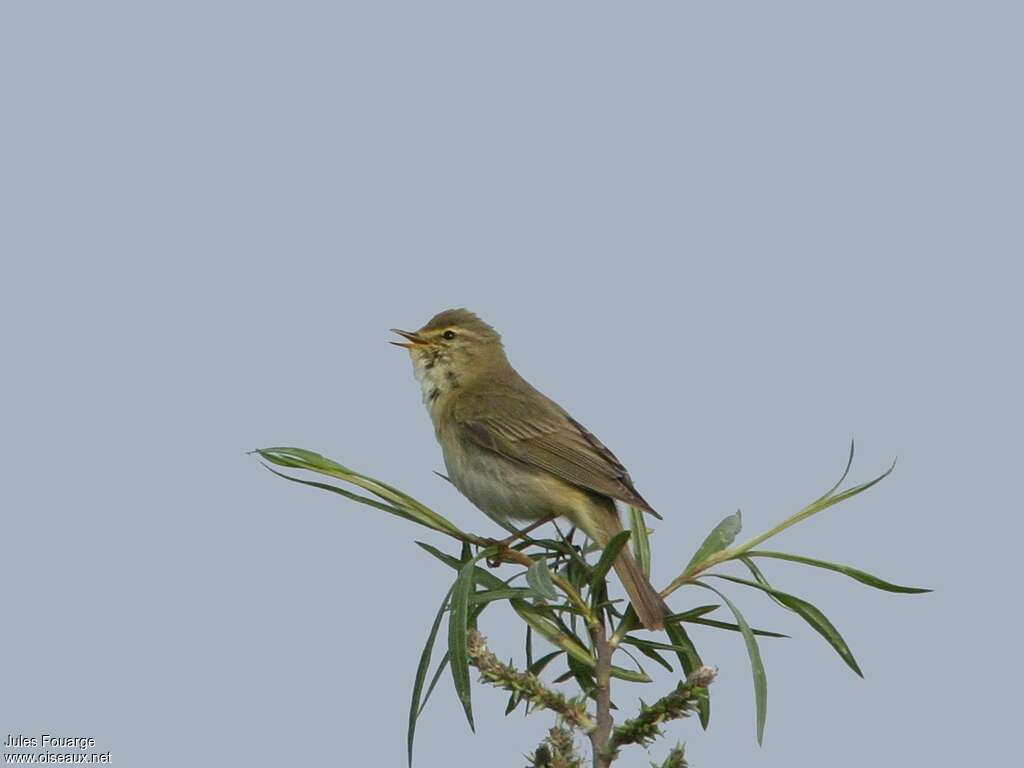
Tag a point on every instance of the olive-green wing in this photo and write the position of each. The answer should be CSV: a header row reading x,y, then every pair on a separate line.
x,y
542,435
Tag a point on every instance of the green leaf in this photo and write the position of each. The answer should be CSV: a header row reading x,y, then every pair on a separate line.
x,y
540,664
563,677
689,660
483,576
299,458
818,621
735,627
629,674
649,649
641,541
849,463
474,613
562,638
347,494
549,630
635,660
421,673
723,625
693,613
759,577
539,578
816,506
720,537
853,573
441,667
457,641
608,557
490,595
756,665
458,626
583,674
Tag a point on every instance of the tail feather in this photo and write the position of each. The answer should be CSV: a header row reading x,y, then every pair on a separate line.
x,y
647,603
649,606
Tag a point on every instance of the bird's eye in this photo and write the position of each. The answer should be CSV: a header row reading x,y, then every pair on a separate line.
x,y
449,335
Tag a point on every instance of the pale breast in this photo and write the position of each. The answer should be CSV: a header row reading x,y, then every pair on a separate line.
x,y
507,490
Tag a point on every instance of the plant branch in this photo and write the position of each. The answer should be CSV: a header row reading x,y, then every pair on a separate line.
x,y
524,684
646,726
602,675
830,498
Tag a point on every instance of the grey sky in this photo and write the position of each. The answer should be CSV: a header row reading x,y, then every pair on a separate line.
x,y
727,237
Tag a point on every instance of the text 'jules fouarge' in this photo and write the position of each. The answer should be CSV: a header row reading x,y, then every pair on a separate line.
x,y
46,741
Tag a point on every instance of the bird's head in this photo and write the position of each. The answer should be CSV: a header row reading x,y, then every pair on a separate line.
x,y
454,347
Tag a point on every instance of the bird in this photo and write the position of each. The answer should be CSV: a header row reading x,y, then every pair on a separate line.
x,y
515,453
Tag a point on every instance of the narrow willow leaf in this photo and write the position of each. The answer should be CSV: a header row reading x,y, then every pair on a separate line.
x,y
450,560
302,459
720,537
529,646
562,637
849,463
614,671
608,558
693,613
847,494
539,578
649,649
628,623
441,667
541,664
555,549
583,675
735,627
641,541
756,665
811,509
458,626
421,673
563,677
549,630
689,660
760,578
483,576
629,675
474,613
490,595
347,494
635,660
853,573
724,625
818,621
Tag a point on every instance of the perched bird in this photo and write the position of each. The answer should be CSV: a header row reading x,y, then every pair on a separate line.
x,y
516,454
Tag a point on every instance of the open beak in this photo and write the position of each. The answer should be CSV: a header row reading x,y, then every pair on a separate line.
x,y
415,340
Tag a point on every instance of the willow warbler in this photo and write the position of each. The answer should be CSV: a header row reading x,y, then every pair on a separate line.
x,y
516,454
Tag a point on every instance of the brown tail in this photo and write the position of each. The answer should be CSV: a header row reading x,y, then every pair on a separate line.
x,y
647,603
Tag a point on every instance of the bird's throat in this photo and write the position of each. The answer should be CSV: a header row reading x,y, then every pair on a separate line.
x,y
437,378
